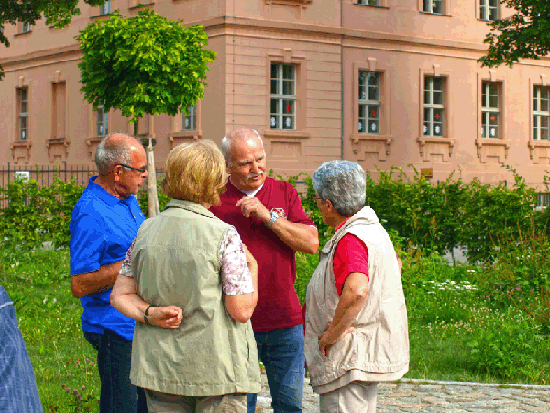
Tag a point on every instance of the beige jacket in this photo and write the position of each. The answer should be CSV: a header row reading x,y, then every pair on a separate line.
x,y
175,262
380,341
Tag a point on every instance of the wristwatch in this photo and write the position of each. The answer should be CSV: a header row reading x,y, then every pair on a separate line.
x,y
274,217
146,315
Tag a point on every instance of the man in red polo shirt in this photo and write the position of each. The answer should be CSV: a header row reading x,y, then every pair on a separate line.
x,y
269,217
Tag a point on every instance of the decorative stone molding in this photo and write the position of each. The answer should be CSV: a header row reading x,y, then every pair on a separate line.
x,y
376,144
539,151
58,149
183,136
92,145
431,147
299,4
492,148
21,151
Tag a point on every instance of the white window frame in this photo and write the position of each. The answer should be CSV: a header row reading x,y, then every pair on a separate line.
x,y
192,117
539,114
23,134
369,2
428,6
102,121
487,110
105,9
366,104
485,8
278,119
430,124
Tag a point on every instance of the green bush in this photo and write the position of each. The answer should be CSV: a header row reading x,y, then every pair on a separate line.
x,y
35,214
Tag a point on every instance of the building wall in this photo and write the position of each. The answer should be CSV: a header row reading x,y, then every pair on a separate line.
x,y
329,42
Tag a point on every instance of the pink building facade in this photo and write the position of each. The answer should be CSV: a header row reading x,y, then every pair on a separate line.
x,y
387,83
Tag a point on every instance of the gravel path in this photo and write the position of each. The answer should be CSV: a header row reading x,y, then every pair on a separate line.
x,y
425,396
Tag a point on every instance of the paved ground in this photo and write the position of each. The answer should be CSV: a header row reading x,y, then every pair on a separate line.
x,y
417,396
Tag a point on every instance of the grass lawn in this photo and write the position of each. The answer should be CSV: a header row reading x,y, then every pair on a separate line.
x,y
460,329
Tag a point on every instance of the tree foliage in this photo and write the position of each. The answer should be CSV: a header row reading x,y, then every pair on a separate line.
x,y
143,64
58,13
524,35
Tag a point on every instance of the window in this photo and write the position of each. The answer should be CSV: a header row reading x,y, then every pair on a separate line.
x,y
488,10
283,96
189,122
25,27
433,6
105,9
490,110
369,102
23,113
543,200
102,121
434,106
369,2
541,113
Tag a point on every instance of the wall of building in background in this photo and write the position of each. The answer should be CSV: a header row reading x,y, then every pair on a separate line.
x,y
387,83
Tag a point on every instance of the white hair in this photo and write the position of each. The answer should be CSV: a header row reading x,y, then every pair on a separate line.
x,y
237,135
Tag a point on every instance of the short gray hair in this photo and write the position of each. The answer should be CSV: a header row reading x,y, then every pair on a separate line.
x,y
343,183
237,135
114,149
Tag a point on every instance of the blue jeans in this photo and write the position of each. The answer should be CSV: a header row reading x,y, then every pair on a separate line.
x,y
118,395
282,352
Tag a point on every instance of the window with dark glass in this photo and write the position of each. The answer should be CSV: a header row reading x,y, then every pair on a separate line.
x,y
189,120
105,9
541,113
433,6
434,106
102,121
369,102
25,27
369,2
283,96
23,113
488,10
490,110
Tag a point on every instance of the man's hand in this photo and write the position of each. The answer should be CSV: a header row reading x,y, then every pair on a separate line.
x,y
251,206
165,317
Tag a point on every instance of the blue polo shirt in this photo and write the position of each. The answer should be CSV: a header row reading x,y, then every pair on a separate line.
x,y
102,228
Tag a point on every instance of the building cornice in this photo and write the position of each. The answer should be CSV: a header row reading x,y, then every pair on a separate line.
x,y
308,32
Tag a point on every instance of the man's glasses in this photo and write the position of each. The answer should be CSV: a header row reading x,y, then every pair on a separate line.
x,y
135,169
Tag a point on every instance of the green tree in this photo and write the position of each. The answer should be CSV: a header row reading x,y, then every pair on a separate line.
x,y
58,14
144,65
524,35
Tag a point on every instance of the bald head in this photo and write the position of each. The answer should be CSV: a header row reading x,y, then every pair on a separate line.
x,y
115,149
237,136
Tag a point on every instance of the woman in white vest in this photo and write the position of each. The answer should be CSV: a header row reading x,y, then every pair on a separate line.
x,y
188,271
356,318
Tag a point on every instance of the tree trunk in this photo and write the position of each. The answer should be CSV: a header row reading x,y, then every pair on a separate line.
x,y
152,195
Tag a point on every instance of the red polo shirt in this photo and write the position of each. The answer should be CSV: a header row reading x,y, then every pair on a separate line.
x,y
278,305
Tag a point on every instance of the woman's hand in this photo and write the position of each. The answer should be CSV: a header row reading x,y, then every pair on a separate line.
x,y
165,317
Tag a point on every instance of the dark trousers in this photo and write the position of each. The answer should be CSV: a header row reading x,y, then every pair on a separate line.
x,y
114,353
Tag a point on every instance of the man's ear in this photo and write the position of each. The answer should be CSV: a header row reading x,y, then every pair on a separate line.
x,y
117,171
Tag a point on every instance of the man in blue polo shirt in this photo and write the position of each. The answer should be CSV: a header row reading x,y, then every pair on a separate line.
x,y
104,222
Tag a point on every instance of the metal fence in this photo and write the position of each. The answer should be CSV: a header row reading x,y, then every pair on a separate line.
x,y
46,174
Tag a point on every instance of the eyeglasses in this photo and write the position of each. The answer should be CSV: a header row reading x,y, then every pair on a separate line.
x,y
135,169
317,198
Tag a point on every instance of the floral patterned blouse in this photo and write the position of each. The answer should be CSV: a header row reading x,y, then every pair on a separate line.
x,y
236,278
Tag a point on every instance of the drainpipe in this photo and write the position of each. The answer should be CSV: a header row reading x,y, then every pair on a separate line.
x,y
341,82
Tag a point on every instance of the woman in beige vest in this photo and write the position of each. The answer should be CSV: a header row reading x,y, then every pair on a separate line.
x,y
189,273
356,319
